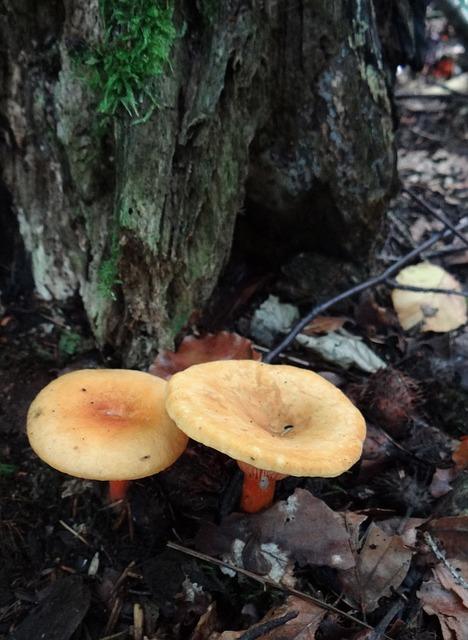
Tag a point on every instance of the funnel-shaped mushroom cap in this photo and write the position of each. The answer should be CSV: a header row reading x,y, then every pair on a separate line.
x,y
104,424
277,418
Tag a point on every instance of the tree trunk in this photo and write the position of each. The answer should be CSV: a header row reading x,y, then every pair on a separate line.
x,y
281,105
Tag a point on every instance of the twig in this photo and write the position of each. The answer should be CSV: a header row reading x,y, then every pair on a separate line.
x,y
72,531
439,216
440,555
267,581
406,287
285,356
116,636
264,627
446,251
367,284
381,627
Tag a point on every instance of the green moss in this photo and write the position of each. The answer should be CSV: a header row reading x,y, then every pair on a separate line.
x,y
109,271
69,343
179,322
135,47
7,469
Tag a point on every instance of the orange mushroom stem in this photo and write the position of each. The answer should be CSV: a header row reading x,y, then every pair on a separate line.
x,y
118,490
258,488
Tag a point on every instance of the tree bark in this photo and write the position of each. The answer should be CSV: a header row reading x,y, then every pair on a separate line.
x,y
281,104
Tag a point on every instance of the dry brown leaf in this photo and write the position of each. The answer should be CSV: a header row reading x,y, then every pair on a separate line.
x,y
460,457
422,226
447,605
206,624
381,566
192,350
324,324
302,627
452,533
378,451
301,529
440,483
433,311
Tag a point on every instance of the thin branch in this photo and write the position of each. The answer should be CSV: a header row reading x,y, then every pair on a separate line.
x,y
439,216
440,555
271,583
359,288
265,627
406,287
379,631
75,533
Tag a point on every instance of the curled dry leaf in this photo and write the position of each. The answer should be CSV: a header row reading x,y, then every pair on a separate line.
x,y
192,350
440,483
439,312
460,457
382,565
302,627
325,324
445,603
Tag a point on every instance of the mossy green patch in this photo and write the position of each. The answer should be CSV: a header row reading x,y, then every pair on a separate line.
x,y
69,342
108,277
7,469
135,47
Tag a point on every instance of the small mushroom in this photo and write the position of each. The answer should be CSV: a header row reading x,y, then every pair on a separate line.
x,y
105,424
275,420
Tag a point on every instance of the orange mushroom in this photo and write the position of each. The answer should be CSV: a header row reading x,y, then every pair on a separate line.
x,y
275,420
105,424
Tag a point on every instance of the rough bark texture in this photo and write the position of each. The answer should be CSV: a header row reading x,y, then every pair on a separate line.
x,y
285,103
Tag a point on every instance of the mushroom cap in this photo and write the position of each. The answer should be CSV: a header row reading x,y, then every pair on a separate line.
x,y
104,424
275,417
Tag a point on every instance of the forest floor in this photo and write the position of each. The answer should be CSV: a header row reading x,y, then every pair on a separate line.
x,y
379,552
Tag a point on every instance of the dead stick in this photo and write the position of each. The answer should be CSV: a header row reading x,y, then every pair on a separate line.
x,y
439,216
406,287
265,627
359,288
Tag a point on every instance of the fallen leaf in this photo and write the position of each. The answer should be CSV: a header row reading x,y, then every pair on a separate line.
x,y
382,565
272,318
447,605
324,324
460,457
440,483
433,311
422,226
192,350
206,624
378,451
302,627
343,349
301,529
452,533
372,316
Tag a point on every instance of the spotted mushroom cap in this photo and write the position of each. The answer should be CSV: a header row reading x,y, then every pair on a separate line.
x,y
275,417
104,424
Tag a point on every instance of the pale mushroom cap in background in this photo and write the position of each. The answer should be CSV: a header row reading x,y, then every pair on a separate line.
x,y
104,424
246,410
